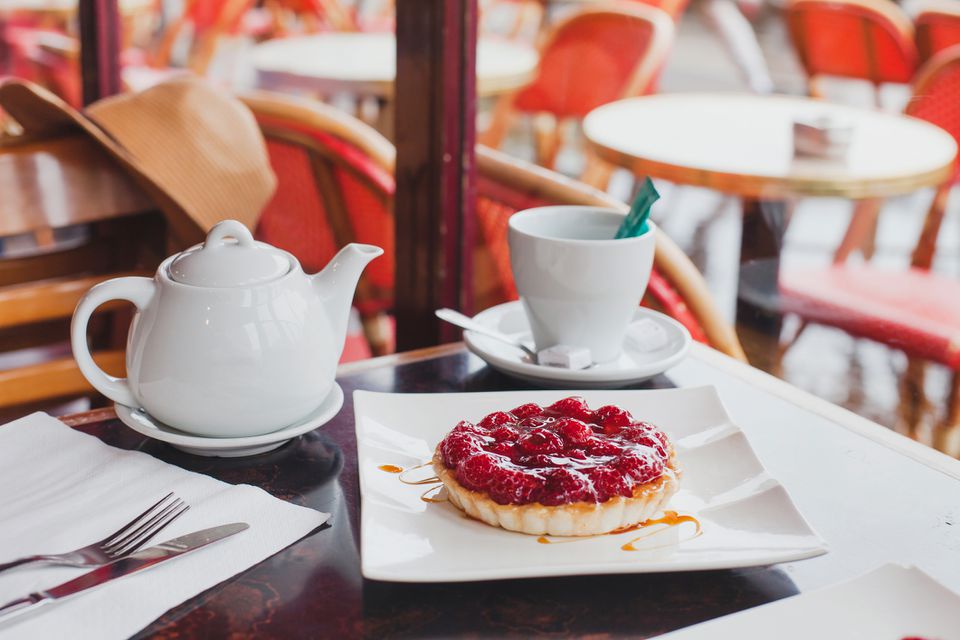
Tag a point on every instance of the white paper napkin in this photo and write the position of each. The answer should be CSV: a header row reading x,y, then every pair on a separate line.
x,y
61,489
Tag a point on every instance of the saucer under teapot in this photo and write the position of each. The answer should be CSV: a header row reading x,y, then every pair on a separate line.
x,y
145,424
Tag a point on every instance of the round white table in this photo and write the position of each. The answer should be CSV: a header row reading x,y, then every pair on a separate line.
x,y
364,64
742,144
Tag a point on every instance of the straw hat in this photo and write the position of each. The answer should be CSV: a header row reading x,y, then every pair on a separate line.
x,y
196,150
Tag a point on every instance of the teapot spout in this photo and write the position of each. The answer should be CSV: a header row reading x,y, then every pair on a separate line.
x,y
336,283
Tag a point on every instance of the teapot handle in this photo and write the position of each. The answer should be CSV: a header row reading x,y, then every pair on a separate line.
x,y
137,290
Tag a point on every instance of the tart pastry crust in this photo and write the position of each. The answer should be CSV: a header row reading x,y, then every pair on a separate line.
x,y
573,519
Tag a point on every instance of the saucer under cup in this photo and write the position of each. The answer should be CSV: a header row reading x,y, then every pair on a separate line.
x,y
637,363
579,286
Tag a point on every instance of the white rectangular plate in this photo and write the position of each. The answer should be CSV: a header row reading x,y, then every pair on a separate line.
x,y
747,517
891,602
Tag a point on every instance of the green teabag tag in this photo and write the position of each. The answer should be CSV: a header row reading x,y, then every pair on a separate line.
x,y
635,223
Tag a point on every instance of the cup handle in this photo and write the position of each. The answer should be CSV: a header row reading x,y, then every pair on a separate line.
x,y
137,290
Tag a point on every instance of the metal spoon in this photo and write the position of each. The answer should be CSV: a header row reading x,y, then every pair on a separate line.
x,y
462,321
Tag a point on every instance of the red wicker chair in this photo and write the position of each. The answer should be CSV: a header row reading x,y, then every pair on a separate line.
x,y
913,310
863,39
938,28
335,186
592,57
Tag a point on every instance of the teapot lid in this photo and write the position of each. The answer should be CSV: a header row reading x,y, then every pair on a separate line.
x,y
220,262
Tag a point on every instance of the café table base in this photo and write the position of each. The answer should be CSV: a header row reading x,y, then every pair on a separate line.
x,y
763,225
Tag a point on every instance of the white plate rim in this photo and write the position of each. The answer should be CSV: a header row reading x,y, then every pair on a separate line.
x,y
598,375
330,406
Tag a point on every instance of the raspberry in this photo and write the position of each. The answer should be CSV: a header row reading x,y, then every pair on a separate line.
x,y
515,486
639,468
505,432
573,430
458,446
496,419
539,460
527,410
477,471
655,433
645,438
564,486
507,449
608,482
572,407
533,421
540,441
599,447
465,426
612,418
576,454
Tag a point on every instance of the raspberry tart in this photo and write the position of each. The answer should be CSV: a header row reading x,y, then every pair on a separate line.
x,y
561,470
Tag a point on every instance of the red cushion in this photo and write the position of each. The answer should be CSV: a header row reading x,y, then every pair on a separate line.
x,y
589,62
913,310
355,347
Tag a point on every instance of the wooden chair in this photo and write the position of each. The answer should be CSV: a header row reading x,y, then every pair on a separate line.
x,y
336,186
937,27
56,184
506,185
913,310
863,39
592,57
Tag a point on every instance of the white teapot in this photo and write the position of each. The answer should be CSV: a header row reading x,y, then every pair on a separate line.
x,y
231,338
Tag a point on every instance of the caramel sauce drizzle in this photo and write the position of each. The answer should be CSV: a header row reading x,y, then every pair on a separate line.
x,y
439,496
390,468
670,519
430,480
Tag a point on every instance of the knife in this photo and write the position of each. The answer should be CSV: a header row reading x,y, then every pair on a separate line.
x,y
124,567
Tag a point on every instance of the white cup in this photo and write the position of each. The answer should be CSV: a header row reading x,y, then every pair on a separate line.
x,y
578,285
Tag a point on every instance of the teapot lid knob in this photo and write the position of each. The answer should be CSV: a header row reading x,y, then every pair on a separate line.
x,y
229,229
222,262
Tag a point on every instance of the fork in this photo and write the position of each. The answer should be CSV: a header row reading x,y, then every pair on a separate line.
x,y
127,539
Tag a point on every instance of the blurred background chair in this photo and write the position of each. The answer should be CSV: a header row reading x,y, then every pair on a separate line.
x,y
592,57
914,310
336,186
868,40
937,27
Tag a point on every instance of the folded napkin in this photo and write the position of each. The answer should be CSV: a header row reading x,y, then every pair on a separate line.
x,y
61,489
